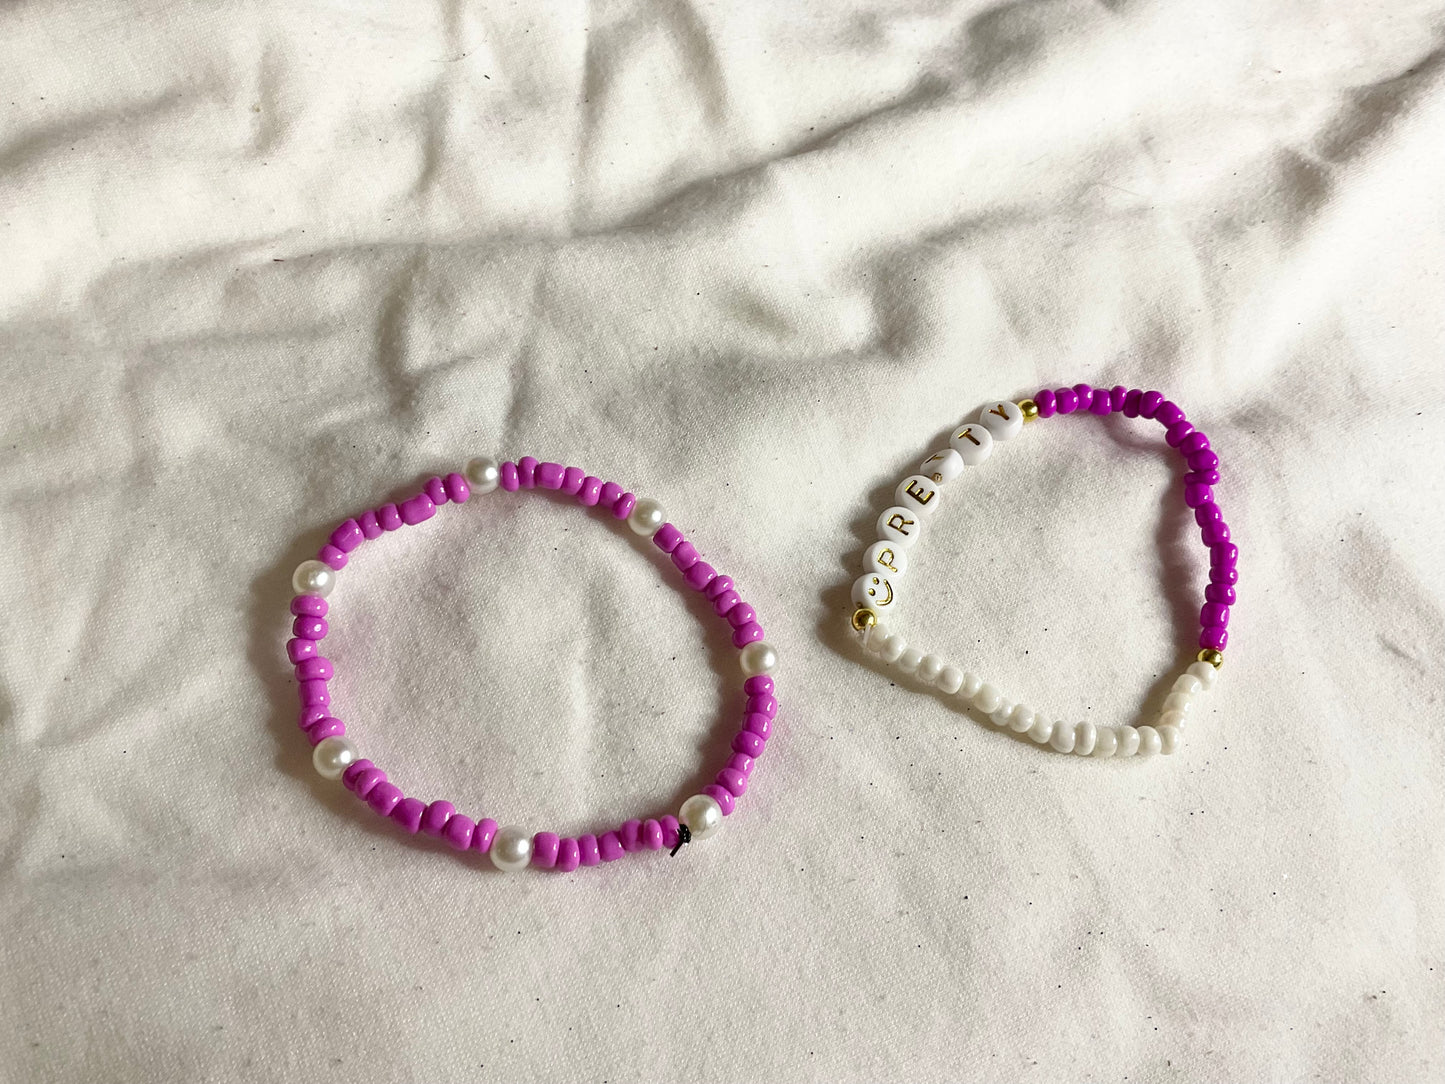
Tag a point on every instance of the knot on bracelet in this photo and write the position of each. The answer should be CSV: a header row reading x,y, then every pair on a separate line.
x,y
684,835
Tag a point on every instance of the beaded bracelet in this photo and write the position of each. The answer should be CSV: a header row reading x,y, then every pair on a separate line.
x,y
875,593
336,756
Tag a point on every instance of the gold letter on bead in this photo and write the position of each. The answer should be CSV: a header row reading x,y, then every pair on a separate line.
x,y
886,559
897,521
966,433
999,410
922,496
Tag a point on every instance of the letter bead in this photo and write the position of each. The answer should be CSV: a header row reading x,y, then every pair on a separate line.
x,y
887,557
900,525
918,493
972,442
943,466
1003,419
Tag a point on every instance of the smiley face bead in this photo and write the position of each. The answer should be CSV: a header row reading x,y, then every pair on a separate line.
x,y
874,591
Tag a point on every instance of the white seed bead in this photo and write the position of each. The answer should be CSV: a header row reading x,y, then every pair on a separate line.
x,y
918,493
1085,735
972,442
313,578
511,849
702,815
332,756
1062,738
1003,419
1204,672
972,683
1148,741
949,680
900,525
987,698
484,474
1187,684
893,647
1000,715
909,660
875,591
1128,740
942,466
1106,742
1170,718
646,517
1178,702
758,658
1168,739
874,637
888,557
1042,730
1021,719
929,667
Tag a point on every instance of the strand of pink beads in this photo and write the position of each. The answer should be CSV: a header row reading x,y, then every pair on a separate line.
x,y
510,848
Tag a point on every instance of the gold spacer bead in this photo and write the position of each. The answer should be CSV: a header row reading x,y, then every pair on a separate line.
x,y
1030,409
864,618
1212,656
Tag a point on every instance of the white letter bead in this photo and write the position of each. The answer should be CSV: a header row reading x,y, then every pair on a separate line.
x,y
1128,740
900,525
1062,738
1178,702
1168,739
918,493
1003,419
876,592
1021,719
1042,730
909,660
972,442
1105,742
949,680
1000,715
1187,684
1170,718
987,699
886,557
942,466
1204,672
1085,734
929,667
1148,741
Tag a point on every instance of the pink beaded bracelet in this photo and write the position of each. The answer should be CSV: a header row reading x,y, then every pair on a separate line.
x,y
336,756
876,596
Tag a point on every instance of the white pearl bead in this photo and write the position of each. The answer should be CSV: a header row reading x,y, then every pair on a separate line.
x,y
1021,719
949,680
1170,718
1204,672
893,648
332,756
886,557
1003,419
909,660
873,639
1148,741
1128,740
313,578
702,815
1042,730
900,525
972,442
942,466
1000,715
972,683
875,591
918,493
1168,739
1062,739
758,658
987,699
1105,742
646,517
1178,702
1085,735
511,849
483,474
1187,684
929,668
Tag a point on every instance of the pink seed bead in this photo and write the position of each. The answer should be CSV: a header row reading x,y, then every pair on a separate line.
x,y
725,602
1213,533
719,586
317,669
436,491
1219,592
1169,413
758,683
740,763
748,743
332,557
763,703
722,796
1102,403
1216,638
569,857
1206,513
1067,399
669,830
1213,615
588,850
1194,442
1117,394
1085,397
699,575
609,494
527,472
458,832
1202,477
347,536
609,847
735,782
407,813
434,820
389,516
590,492
309,717
1047,402
1225,574
309,606
1149,403
740,615
1226,555
314,694
550,475
623,506
631,835
368,780
572,479
457,488
370,526
652,835
1175,434
416,509
1195,495
759,724
329,727
1205,460
544,849
483,834
1130,408
747,634
300,648
509,478
685,556
667,538
354,771
310,628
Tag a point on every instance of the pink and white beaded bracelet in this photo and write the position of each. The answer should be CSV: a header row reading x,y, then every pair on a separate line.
x,y
876,596
336,756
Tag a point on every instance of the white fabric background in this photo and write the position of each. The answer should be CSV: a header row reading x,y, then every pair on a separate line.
x,y
266,265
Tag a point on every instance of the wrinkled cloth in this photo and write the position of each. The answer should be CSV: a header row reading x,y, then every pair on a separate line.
x,y
269,265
